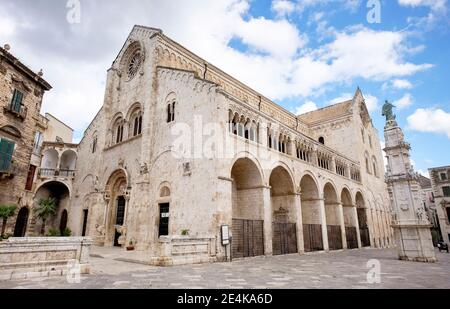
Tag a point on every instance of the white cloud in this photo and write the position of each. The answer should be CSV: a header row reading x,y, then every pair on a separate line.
x,y
401,84
283,7
430,120
309,106
383,145
342,98
279,63
405,101
434,4
371,101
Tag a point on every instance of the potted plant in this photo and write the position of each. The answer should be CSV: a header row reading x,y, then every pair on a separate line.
x,y
6,212
46,209
185,232
130,246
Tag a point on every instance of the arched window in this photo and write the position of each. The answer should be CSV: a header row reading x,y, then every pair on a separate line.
x,y
118,131
94,144
375,166
322,140
137,124
171,112
367,163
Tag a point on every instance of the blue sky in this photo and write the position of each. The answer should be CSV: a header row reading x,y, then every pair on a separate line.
x,y
303,54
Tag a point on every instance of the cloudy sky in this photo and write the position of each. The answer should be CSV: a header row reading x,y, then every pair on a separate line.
x,y
303,54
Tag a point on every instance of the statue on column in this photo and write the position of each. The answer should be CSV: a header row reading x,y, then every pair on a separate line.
x,y
387,111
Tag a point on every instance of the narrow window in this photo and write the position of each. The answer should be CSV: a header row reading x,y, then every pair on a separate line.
x,y
16,102
94,145
322,140
446,191
140,125
443,176
171,112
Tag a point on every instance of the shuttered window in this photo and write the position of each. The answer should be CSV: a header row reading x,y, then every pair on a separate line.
x,y
446,191
6,152
16,101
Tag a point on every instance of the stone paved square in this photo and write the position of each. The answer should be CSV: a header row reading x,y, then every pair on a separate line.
x,y
335,270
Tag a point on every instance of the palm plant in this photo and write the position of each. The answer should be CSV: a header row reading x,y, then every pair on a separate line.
x,y
46,209
6,212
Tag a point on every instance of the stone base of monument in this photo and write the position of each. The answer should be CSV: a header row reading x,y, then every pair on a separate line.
x,y
414,242
30,257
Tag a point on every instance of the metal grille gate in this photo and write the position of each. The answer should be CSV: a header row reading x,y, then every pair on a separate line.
x,y
284,240
334,237
363,227
352,238
365,237
312,235
248,238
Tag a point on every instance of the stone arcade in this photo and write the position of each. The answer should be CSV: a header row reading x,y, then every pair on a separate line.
x,y
282,183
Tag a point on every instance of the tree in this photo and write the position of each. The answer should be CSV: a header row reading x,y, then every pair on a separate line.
x,y
6,212
46,209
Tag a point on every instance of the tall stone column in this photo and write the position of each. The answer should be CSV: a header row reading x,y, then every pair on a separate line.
x,y
358,233
411,225
342,224
268,250
323,221
299,223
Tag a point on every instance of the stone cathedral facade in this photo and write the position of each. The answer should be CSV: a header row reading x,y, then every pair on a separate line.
x,y
180,149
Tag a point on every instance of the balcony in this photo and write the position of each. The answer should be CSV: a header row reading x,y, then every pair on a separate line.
x,y
8,170
20,114
50,172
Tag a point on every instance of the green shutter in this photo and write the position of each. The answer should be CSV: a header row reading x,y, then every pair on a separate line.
x,y
6,152
16,101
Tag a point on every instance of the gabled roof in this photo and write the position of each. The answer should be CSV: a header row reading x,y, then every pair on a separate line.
x,y
328,112
424,182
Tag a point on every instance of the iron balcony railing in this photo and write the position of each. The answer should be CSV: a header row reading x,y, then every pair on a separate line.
x,y
50,172
47,172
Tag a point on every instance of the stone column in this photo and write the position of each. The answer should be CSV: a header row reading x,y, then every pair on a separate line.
x,y
342,224
323,220
299,223
355,216
267,221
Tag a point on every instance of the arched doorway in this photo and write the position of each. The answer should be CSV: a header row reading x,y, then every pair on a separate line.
x,y
362,220
63,222
349,219
311,216
60,192
284,237
332,213
247,209
20,228
116,190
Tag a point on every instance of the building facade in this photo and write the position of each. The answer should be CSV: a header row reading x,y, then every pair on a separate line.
x,y
21,94
181,149
440,179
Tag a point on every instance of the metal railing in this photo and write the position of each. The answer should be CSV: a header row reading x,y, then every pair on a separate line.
x,y
50,172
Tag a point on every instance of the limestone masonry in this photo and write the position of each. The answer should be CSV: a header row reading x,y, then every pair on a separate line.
x,y
180,149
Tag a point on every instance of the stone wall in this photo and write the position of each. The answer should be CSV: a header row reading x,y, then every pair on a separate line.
x,y
22,258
